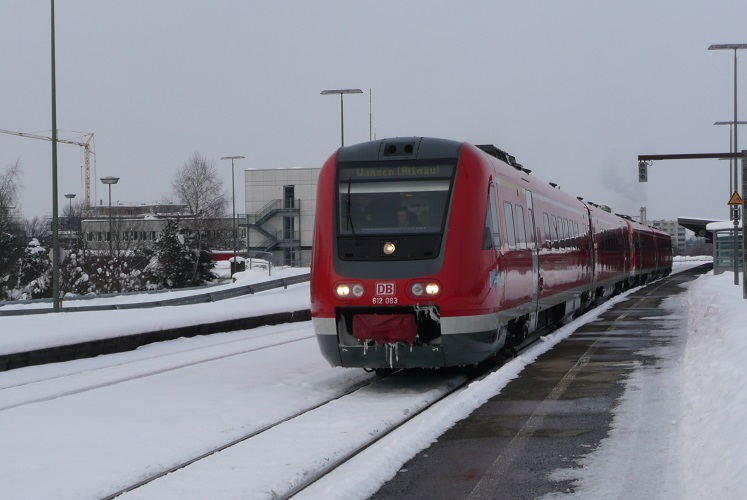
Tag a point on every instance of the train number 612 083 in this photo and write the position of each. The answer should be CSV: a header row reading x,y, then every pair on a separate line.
x,y
384,300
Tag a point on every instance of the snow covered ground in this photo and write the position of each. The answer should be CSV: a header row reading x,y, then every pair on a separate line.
x,y
63,447
25,333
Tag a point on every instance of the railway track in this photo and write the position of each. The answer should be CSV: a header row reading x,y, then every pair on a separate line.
x,y
77,381
253,434
302,470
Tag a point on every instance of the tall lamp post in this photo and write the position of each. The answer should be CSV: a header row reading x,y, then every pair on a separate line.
x,y
70,197
735,47
342,112
233,198
55,219
109,181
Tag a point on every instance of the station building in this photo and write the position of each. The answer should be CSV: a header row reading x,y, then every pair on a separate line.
x,y
280,206
675,231
278,223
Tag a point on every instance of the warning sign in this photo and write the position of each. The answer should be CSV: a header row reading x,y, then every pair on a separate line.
x,y
735,199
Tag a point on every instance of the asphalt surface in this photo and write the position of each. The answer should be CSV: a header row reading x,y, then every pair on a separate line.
x,y
554,413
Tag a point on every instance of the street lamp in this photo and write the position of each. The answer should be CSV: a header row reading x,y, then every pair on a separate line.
x,y
233,196
109,180
735,47
70,197
342,113
56,303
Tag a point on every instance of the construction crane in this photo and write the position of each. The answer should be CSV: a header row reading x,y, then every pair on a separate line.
x,y
85,144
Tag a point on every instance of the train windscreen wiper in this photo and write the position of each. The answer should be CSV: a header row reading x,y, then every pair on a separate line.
x,y
349,218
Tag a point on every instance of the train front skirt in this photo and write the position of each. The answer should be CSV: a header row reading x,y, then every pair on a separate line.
x,y
462,341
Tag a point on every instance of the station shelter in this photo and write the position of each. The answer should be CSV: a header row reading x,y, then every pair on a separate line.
x,y
723,245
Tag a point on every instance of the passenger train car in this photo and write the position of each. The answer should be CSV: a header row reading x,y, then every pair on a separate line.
x,y
435,253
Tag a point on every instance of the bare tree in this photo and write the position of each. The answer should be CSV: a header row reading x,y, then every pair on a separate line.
x,y
198,186
11,243
9,188
38,228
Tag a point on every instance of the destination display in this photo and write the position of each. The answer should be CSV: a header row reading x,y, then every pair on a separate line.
x,y
379,172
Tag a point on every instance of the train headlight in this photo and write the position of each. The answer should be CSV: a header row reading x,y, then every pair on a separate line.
x,y
349,290
389,248
420,289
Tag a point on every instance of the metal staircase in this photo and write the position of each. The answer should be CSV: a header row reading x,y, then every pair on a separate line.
x,y
274,237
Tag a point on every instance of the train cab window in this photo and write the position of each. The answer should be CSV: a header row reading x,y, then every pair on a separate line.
x,y
508,215
403,200
520,228
491,232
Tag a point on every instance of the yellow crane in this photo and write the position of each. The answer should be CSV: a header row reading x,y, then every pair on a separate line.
x,y
85,143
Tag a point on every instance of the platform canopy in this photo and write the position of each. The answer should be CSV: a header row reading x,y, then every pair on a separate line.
x,y
699,226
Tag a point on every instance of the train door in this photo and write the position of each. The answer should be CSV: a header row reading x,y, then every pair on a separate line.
x,y
593,253
534,246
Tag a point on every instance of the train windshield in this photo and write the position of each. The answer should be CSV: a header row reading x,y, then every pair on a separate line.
x,y
393,200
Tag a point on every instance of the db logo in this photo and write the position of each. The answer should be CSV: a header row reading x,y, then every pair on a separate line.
x,y
384,288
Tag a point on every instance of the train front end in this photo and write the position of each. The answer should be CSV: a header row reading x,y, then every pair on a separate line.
x,y
378,282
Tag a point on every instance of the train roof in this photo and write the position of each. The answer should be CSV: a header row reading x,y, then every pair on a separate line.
x,y
400,148
423,148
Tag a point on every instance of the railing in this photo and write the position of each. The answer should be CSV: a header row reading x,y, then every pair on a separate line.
x,y
271,240
270,208
263,212
182,301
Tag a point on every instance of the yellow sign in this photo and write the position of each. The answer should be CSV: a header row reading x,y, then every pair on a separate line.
x,y
735,199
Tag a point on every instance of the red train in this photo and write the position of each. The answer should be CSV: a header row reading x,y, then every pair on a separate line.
x,y
434,253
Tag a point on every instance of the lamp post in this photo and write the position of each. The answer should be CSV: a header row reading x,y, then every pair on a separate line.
x,y
55,219
233,198
109,181
70,197
342,113
735,47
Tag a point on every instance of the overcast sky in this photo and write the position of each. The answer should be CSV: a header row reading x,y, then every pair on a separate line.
x,y
574,89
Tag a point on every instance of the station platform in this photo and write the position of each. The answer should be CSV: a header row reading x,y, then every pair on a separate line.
x,y
556,412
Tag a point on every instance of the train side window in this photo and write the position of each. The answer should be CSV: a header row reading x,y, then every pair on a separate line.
x,y
574,235
555,238
508,215
520,227
491,238
578,236
532,230
566,236
548,236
